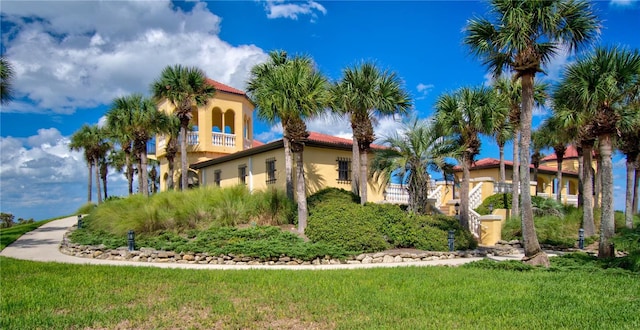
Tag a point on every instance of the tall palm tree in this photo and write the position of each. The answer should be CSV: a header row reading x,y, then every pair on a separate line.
x,y
510,91
364,93
138,118
412,153
523,36
553,135
291,92
461,117
173,130
629,145
604,81
259,75
119,123
184,87
6,80
91,139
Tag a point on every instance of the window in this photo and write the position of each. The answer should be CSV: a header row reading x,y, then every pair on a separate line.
x,y
271,170
242,174
344,170
216,177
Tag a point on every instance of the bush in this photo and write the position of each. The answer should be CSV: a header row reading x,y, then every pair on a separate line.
x,y
272,207
330,195
336,218
86,208
499,201
350,226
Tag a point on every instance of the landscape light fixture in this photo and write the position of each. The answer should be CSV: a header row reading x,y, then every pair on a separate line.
x,y
79,221
457,207
491,208
131,237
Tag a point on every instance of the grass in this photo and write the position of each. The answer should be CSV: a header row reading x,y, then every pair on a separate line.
x,y
60,296
9,235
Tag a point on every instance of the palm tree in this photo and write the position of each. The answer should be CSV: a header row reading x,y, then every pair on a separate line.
x,y
629,145
460,117
523,36
411,154
604,82
6,80
259,76
173,130
510,91
92,140
291,92
138,118
184,88
119,122
573,119
364,93
553,135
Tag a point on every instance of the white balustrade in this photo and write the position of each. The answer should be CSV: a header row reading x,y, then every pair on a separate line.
x,y
474,223
223,139
438,195
475,196
396,193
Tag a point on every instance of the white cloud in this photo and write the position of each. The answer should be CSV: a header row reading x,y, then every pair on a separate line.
x,y
42,178
423,90
622,3
291,10
71,55
274,133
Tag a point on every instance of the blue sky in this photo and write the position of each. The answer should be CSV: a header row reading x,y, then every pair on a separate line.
x,y
72,58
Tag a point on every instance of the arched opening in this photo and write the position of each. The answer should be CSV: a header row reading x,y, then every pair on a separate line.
x,y
216,120
229,122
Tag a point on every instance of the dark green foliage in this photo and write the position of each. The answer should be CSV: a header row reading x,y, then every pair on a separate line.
x,y
499,201
350,226
628,240
374,227
332,195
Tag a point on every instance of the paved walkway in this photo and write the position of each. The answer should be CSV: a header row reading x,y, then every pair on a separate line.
x,y
43,244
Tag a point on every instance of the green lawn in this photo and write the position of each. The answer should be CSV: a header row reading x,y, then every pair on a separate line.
x,y
59,296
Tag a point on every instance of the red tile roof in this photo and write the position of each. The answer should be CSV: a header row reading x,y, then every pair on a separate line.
x,y
492,162
571,152
319,137
224,88
256,143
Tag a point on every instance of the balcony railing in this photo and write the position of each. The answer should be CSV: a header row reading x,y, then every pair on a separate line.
x,y
223,139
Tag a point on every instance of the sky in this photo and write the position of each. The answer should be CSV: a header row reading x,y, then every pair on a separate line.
x,y
72,58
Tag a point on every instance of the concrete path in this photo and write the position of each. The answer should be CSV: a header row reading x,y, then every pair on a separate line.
x,y
43,244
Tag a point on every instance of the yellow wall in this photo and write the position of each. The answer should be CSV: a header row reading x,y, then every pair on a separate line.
x,y
320,164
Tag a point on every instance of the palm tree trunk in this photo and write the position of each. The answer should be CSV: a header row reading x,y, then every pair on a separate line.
x,y
301,193
355,167
628,209
90,182
515,183
598,189
97,173
559,175
144,182
170,174
184,170
127,160
103,175
580,177
588,223
288,167
636,187
607,224
532,251
363,176
502,167
464,192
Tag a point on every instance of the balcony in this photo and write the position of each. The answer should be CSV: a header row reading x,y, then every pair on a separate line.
x,y
223,139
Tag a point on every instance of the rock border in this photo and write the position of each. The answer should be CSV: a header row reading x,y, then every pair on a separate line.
x,y
150,255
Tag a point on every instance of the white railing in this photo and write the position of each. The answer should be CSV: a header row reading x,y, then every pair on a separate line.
x,y
475,196
566,199
438,195
396,193
474,223
223,139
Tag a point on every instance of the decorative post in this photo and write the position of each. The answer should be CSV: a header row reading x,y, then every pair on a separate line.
x,y
132,240
450,239
581,239
79,221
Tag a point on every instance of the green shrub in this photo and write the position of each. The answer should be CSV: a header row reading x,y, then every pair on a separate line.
x,y
510,265
351,226
86,208
330,195
272,207
499,201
